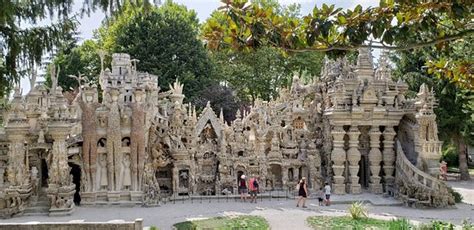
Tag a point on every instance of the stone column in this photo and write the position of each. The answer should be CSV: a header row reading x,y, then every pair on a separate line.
x,y
338,157
60,187
175,182
388,155
2,172
284,177
375,157
353,156
18,173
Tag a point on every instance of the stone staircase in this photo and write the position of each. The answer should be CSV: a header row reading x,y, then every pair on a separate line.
x,y
417,188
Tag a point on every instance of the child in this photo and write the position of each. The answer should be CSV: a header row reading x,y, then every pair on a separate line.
x,y
320,196
327,192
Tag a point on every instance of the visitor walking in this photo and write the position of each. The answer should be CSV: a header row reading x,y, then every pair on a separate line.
x,y
302,193
253,187
243,188
327,192
443,170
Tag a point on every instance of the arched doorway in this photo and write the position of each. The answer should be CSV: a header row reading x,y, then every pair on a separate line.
x,y
76,179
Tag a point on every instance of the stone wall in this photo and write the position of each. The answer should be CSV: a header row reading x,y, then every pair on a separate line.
x,y
111,225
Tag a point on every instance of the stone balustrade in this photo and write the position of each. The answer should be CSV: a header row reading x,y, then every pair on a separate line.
x,y
418,187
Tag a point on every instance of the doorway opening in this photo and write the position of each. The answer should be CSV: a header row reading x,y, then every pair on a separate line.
x,y
276,176
44,173
364,172
76,179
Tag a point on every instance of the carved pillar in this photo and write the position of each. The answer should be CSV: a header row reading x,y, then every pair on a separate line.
x,y
353,156
61,189
284,175
388,155
375,157
338,157
2,172
175,181
18,173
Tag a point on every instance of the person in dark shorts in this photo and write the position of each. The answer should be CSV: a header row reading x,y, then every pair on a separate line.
x,y
302,193
327,192
253,188
243,188
321,196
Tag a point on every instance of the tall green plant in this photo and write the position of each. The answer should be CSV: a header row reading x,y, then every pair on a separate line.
x,y
358,210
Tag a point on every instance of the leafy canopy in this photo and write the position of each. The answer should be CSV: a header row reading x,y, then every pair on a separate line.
x,y
249,25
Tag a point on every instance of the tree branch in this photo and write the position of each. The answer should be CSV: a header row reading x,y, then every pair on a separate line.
x,y
395,48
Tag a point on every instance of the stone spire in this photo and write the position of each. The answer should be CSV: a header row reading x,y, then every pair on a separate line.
x,y
221,116
365,67
383,71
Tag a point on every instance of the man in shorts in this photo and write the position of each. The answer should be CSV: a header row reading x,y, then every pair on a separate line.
x,y
253,187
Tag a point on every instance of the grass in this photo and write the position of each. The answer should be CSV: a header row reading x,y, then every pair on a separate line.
x,y
346,222
224,223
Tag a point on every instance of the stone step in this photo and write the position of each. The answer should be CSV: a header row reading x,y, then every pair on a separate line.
x,y
36,211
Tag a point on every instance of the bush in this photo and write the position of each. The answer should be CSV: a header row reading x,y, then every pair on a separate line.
x,y
457,196
450,155
346,222
358,210
467,225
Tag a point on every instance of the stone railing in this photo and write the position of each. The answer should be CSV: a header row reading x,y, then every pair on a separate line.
x,y
73,225
417,187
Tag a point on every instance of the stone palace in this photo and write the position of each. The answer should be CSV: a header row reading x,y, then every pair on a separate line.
x,y
126,141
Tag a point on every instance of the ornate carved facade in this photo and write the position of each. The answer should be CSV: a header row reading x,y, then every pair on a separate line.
x,y
138,144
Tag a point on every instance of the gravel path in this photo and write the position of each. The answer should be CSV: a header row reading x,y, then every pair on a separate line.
x,y
465,188
281,214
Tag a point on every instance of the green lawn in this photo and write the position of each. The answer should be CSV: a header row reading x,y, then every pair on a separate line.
x,y
346,222
224,223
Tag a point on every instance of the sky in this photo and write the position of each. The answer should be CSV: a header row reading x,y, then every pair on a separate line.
x,y
203,8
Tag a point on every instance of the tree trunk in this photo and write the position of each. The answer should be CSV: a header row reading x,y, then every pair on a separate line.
x,y
463,168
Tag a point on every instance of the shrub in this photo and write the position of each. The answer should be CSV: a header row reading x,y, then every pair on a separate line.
x,y
399,224
467,225
457,196
358,210
450,155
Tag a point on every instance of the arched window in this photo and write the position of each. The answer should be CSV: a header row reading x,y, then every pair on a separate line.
x,y
102,142
126,142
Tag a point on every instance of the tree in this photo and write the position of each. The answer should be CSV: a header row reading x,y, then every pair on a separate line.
x,y
73,60
336,31
220,98
165,41
455,113
23,41
274,69
21,47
